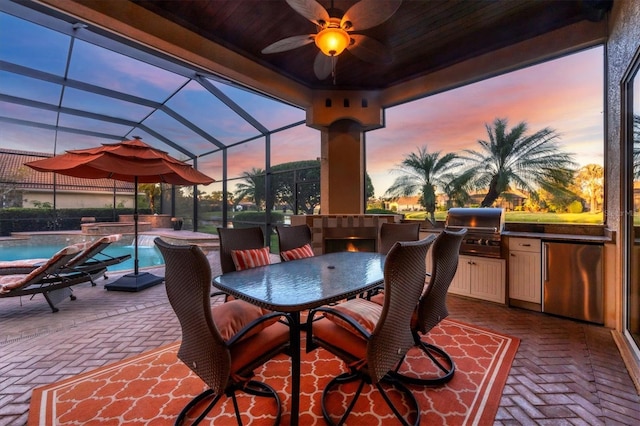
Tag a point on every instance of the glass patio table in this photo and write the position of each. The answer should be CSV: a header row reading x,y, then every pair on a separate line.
x,y
303,284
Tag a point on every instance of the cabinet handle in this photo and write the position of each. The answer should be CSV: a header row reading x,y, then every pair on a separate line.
x,y
512,254
545,257
525,245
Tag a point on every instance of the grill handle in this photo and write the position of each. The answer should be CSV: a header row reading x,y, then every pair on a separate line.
x,y
473,228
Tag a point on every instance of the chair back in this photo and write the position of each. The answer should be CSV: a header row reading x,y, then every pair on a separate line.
x,y
291,237
237,239
433,304
392,232
404,270
188,284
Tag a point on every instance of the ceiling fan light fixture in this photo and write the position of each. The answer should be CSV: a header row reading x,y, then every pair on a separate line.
x,y
332,41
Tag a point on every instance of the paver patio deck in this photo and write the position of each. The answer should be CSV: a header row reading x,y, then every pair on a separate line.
x,y
565,372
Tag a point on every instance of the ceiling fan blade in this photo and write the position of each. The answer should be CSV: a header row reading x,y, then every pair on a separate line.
x,y
369,50
368,13
323,65
310,9
289,43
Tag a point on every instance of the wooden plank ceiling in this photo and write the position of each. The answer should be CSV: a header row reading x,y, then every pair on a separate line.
x,y
423,35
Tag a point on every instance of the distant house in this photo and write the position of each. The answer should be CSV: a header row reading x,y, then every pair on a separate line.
x,y
406,204
508,200
21,186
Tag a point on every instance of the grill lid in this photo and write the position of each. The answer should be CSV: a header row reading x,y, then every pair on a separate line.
x,y
478,219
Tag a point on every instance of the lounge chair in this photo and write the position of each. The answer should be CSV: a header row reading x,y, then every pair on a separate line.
x,y
89,259
52,279
92,257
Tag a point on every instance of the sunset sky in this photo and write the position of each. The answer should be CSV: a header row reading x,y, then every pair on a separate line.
x,y
565,94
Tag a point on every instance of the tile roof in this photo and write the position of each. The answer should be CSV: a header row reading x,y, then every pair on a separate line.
x,y
13,170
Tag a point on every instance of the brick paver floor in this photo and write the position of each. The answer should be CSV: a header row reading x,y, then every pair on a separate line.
x,y
565,372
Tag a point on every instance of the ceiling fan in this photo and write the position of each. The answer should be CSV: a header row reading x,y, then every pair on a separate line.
x,y
335,33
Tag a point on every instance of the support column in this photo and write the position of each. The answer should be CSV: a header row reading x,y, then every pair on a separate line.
x,y
342,168
343,117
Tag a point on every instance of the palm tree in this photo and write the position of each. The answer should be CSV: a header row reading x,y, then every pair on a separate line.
x,y
513,157
422,173
252,187
151,190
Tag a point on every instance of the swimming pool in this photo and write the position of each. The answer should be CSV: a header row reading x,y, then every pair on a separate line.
x,y
147,255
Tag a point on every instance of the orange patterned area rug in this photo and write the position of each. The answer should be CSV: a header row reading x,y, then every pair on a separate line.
x,y
152,388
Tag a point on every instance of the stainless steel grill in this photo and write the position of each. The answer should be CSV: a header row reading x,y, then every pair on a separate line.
x,y
484,229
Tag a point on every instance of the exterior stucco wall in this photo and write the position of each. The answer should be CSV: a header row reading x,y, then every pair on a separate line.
x,y
624,41
70,200
622,45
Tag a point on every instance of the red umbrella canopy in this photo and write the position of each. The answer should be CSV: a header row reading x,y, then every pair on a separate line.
x,y
123,161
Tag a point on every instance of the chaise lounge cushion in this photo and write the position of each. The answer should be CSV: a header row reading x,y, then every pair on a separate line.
x,y
297,253
22,263
10,282
251,258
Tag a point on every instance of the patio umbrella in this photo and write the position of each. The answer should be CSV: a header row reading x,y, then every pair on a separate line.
x,y
130,161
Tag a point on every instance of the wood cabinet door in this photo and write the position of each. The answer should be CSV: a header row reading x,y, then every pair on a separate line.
x,y
487,279
460,283
525,282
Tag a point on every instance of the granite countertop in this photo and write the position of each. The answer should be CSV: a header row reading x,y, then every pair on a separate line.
x,y
571,233
561,237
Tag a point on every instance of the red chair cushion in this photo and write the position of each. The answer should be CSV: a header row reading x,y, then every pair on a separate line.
x,y
297,253
366,313
233,316
378,298
339,337
246,351
251,258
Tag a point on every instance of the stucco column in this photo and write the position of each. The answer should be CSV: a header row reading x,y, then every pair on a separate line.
x,y
342,168
342,118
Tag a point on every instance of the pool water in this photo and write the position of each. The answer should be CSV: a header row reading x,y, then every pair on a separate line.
x,y
147,255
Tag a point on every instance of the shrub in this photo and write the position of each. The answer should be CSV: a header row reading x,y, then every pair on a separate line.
x,y
379,211
250,219
45,219
575,207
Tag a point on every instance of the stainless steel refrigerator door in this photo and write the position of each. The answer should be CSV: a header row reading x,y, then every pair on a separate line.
x,y
572,281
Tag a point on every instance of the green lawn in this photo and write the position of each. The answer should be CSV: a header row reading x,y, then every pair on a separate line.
x,y
529,217
516,217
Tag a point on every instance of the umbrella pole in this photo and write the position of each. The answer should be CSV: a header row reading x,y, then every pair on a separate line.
x,y
135,281
135,226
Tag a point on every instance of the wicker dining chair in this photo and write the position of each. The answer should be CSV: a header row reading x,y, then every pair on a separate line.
x,y
372,339
389,234
223,344
294,242
392,232
432,309
237,239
